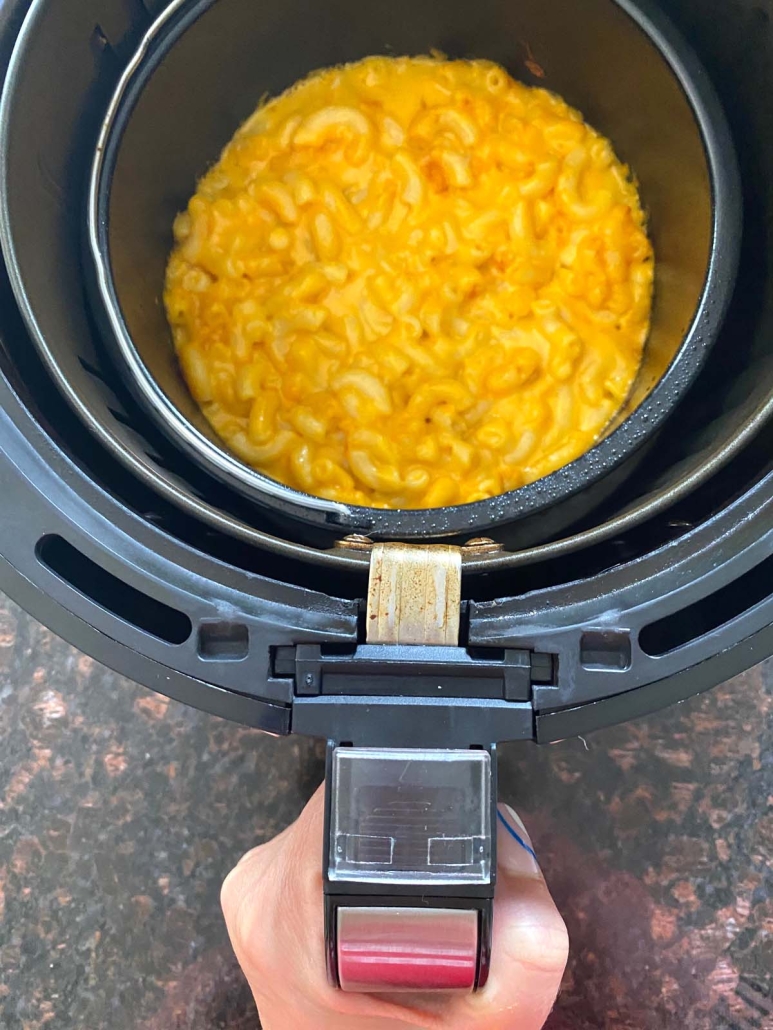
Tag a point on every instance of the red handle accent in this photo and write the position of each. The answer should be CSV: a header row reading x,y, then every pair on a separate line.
x,y
407,949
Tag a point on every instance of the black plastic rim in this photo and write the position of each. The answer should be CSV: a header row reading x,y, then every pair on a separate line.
x,y
483,515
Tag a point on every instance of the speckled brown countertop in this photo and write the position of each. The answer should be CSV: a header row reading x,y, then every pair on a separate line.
x,y
121,812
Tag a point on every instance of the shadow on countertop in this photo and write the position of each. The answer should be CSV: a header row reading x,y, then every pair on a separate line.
x,y
121,813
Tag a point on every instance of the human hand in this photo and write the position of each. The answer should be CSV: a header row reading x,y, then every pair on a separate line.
x,y
272,903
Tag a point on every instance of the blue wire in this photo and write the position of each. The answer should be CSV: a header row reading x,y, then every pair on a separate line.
x,y
514,835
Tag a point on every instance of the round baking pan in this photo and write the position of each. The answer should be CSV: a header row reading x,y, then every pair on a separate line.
x,y
198,74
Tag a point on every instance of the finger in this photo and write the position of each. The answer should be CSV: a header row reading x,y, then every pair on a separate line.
x,y
265,897
529,948
273,906
531,944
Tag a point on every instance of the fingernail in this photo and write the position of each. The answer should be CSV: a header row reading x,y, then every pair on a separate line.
x,y
516,854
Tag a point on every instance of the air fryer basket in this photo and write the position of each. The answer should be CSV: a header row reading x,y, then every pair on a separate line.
x,y
42,189
200,72
115,539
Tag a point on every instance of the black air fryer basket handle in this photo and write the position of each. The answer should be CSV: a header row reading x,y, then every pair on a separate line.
x,y
409,868
410,862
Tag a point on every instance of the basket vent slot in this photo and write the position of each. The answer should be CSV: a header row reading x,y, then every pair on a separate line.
x,y
708,614
111,593
224,641
605,650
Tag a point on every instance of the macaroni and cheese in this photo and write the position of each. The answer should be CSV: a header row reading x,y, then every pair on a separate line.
x,y
411,283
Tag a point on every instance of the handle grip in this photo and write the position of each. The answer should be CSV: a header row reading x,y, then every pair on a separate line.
x,y
409,868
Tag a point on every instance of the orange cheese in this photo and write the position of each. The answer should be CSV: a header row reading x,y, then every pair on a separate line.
x,y
411,282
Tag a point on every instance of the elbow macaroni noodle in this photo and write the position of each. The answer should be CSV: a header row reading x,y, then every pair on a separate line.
x,y
411,283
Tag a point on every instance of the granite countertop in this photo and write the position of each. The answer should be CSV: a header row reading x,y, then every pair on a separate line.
x,y
122,812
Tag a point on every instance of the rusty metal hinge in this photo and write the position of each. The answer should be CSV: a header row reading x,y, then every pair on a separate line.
x,y
414,594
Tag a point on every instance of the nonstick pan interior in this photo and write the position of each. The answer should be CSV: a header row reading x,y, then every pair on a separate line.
x,y
201,74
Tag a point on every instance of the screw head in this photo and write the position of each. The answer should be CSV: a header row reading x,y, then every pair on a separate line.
x,y
482,545
356,542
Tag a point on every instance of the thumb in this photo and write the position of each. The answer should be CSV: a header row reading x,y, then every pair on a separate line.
x,y
529,949
531,944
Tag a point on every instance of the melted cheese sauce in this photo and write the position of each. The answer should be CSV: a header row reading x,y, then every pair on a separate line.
x,y
411,283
